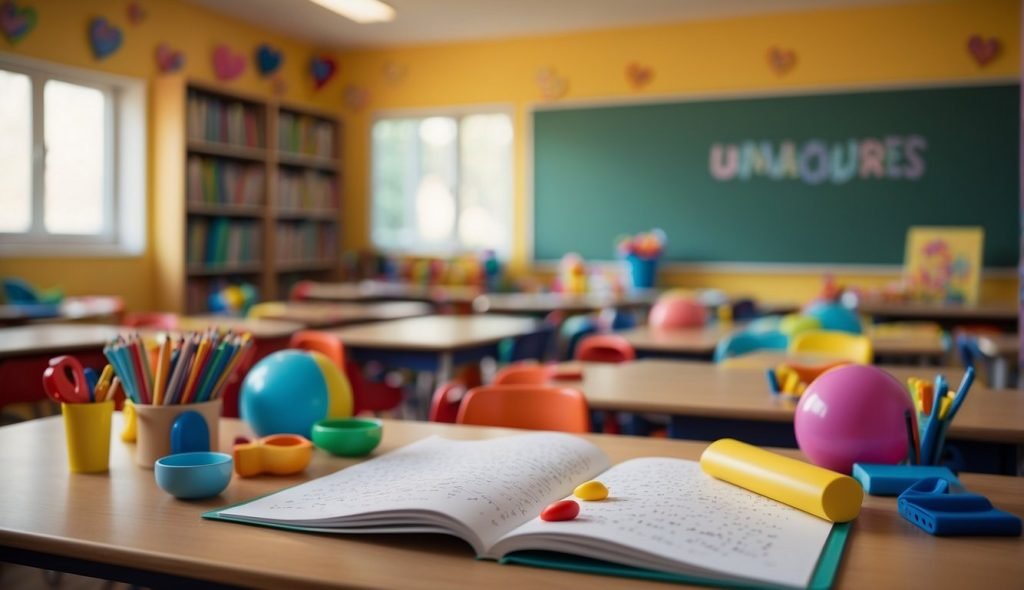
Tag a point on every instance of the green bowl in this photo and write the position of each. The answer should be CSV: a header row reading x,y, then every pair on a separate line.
x,y
348,437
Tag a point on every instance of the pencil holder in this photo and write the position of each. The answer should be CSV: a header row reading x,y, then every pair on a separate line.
x,y
153,428
87,432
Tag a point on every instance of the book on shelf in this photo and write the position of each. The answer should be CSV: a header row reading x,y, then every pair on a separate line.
x,y
306,241
665,519
212,118
302,134
213,181
219,242
308,190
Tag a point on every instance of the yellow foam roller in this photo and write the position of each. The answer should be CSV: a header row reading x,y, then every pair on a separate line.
x,y
818,491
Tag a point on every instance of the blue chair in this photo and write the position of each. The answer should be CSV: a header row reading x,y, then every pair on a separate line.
x,y
744,342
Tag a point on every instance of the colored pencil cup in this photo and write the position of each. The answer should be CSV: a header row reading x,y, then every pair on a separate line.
x,y
153,428
642,271
87,432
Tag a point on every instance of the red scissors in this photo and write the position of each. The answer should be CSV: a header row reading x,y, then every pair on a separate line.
x,y
64,381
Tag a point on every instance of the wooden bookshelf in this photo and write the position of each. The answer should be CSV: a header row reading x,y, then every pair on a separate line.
x,y
247,190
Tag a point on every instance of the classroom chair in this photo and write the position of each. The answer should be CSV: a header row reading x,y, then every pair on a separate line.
x,y
522,374
534,346
852,347
534,407
444,405
605,348
157,320
743,342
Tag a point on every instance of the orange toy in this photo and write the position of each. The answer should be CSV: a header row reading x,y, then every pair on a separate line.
x,y
534,407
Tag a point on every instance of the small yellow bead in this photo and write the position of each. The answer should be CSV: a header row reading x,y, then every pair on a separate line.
x,y
591,490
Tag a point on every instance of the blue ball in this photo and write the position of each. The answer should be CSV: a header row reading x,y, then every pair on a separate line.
x,y
835,317
286,393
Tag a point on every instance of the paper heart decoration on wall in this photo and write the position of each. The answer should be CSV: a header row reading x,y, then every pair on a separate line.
x,y
168,60
227,65
356,97
104,37
268,59
322,69
984,51
781,60
638,75
278,86
136,13
393,72
16,22
552,86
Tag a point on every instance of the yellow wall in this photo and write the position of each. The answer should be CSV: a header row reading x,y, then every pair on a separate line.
x,y
61,36
921,42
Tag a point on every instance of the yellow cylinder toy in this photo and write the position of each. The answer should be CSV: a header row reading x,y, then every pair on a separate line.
x,y
818,491
87,433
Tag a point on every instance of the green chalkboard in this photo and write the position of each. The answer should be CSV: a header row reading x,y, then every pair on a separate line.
x,y
824,178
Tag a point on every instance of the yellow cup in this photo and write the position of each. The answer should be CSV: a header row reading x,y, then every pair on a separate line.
x,y
153,428
87,433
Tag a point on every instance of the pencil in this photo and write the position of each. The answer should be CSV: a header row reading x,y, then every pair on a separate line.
x,y
181,368
241,351
163,362
200,358
140,378
115,385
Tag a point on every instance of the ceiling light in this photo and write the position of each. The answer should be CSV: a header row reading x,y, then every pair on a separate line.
x,y
361,11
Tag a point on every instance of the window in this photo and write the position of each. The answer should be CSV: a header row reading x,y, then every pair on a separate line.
x,y
442,183
72,160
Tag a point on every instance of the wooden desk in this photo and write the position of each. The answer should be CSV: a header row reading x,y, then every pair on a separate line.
x,y
260,329
329,314
92,308
708,402
54,339
433,343
369,291
701,343
946,314
121,526
540,304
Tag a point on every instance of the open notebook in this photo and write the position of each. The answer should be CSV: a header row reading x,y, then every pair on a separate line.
x,y
664,519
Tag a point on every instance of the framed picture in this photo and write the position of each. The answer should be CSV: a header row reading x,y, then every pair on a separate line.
x,y
944,263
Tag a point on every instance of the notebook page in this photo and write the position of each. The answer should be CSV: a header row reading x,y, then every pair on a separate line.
x,y
668,510
491,486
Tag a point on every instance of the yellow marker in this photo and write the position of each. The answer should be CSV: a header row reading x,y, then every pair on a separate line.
x,y
591,491
818,491
103,384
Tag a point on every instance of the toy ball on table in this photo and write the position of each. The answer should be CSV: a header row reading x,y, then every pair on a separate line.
x,y
853,414
673,313
290,390
835,317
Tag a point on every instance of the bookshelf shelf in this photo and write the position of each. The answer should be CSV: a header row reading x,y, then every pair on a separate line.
x,y
248,189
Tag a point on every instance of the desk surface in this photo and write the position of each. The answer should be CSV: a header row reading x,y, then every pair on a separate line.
x,y
39,339
260,329
382,291
327,314
124,520
699,389
436,333
542,303
702,341
938,311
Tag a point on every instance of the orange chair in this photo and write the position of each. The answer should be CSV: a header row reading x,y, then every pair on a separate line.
x,y
533,407
151,319
444,406
605,348
321,342
523,374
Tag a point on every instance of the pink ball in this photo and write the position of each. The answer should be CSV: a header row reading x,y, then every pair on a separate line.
x,y
853,414
672,313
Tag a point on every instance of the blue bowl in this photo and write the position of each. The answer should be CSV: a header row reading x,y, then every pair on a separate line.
x,y
190,476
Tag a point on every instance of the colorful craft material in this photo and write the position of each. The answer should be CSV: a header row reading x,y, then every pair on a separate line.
x,y
168,60
322,68
104,37
268,59
226,64
16,22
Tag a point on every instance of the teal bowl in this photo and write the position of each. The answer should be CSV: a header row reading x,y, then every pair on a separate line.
x,y
348,437
191,476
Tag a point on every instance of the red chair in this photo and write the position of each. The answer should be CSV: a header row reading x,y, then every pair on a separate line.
x,y
534,407
523,374
444,406
605,348
300,290
158,320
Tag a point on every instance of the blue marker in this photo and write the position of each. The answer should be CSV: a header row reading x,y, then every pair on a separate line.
x,y
773,382
931,430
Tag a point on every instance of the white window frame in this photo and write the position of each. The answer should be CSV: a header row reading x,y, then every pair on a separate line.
x,y
124,215
454,248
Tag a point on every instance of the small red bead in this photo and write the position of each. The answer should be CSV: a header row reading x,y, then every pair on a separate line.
x,y
561,510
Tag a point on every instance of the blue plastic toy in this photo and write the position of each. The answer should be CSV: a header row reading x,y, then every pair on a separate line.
x,y
191,476
893,480
190,434
290,390
835,317
931,508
